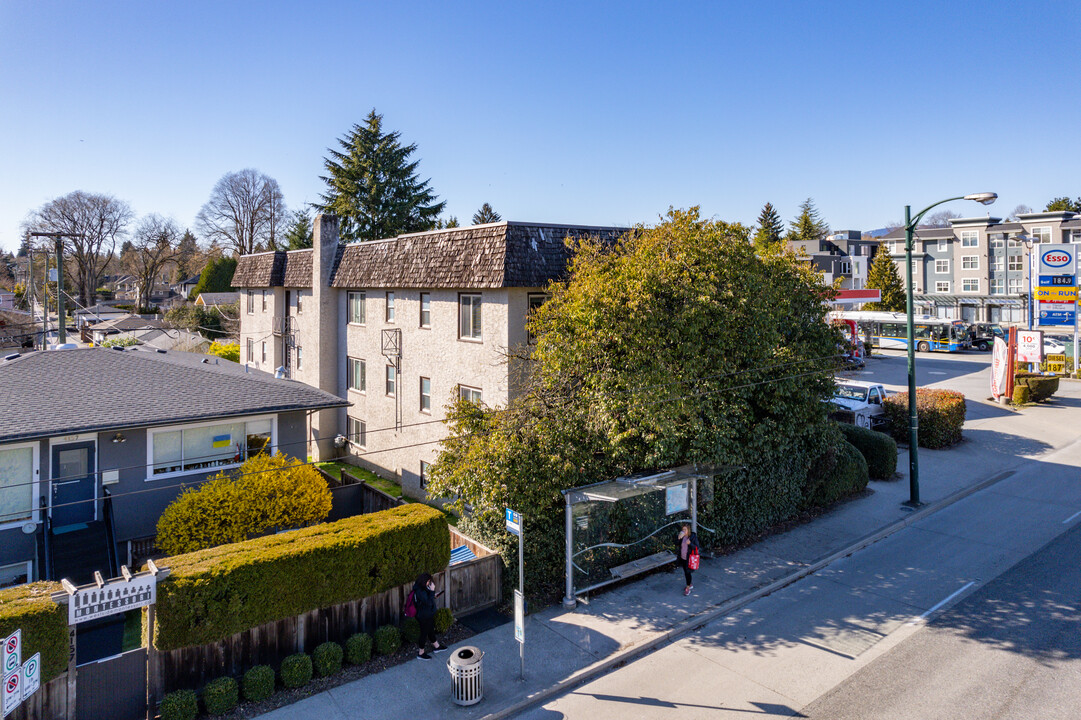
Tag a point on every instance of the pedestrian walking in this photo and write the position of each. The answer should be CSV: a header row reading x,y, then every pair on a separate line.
x,y
424,596
688,554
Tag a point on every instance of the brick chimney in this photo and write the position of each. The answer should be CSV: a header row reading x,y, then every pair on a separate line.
x,y
325,353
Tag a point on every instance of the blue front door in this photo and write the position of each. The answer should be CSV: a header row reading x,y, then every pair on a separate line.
x,y
73,484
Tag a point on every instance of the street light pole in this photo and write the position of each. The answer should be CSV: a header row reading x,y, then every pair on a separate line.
x,y
913,417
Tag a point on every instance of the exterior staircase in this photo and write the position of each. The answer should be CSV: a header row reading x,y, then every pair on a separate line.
x,y
76,554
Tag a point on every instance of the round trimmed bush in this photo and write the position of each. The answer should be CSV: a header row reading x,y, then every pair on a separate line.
x,y
387,640
221,695
327,659
358,648
410,630
179,705
296,670
847,475
444,618
258,683
1022,395
878,449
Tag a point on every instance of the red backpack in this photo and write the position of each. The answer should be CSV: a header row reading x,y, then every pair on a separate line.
x,y
410,606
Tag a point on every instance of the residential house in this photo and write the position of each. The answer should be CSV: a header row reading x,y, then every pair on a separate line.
x,y
96,314
844,256
95,443
123,325
218,298
184,287
400,327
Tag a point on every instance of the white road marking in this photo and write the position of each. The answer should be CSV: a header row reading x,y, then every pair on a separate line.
x,y
1071,517
935,372
943,602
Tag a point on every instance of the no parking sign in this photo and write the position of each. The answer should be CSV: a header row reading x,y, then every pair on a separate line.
x,y
13,690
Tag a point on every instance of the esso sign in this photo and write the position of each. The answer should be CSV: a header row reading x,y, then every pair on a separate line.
x,y
1056,258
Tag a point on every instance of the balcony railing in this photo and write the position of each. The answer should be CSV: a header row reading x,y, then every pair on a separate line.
x,y
285,325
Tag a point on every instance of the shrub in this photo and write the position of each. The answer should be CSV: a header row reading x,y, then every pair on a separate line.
x,y
44,624
358,648
878,449
444,618
120,341
296,670
258,683
327,659
849,475
410,630
220,696
941,413
226,350
1041,386
387,640
214,593
1022,395
179,705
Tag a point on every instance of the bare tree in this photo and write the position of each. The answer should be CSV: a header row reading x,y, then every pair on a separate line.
x,y
93,223
154,245
940,219
245,212
1019,210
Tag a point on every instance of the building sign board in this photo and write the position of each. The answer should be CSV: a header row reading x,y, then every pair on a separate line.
x,y
1056,363
1057,260
1056,294
111,598
1050,314
1051,280
1030,346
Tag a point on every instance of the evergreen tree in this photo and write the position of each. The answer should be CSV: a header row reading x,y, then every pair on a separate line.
x,y
299,233
450,222
808,225
1064,203
189,258
883,276
486,215
770,228
374,188
217,276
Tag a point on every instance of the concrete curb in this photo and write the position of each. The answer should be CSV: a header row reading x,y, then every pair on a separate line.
x,y
633,652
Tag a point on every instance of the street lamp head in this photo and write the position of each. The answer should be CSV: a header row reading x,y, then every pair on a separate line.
x,y
982,198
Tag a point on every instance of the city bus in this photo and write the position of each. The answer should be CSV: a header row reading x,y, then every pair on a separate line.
x,y
890,330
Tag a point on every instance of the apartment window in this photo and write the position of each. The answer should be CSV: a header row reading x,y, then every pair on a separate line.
x,y
300,357
997,263
425,310
470,394
970,262
264,301
888,247
356,431
533,301
425,394
251,350
424,468
998,286
12,575
970,285
358,374
356,309
942,286
18,489
970,238
845,268
300,296
1041,234
208,445
1015,286
942,266
1075,236
1014,242
392,380
251,302
943,244
997,240
469,317
1016,263
264,352
390,307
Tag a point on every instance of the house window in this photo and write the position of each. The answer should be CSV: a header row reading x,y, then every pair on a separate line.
x,y
264,351
1075,236
1041,234
356,432
997,240
300,294
970,238
470,394
970,285
1016,263
392,380
251,302
300,357
942,266
888,246
264,301
998,286
424,467
425,310
942,286
1014,242
18,470
533,301
943,244
970,262
358,373
17,574
251,350
390,307
997,263
207,445
469,317
1015,286
425,395
356,308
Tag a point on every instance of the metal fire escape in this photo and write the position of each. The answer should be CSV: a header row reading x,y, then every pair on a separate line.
x,y
285,328
392,351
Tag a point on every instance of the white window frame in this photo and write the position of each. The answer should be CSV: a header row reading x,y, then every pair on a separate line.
x,y
263,352
251,302
152,432
997,242
965,281
350,363
1018,266
1015,286
943,244
942,287
251,350
362,441
946,263
425,407
470,394
998,263
300,302
1042,234
476,334
998,286
426,299
975,262
425,467
388,315
358,300
264,301
300,358
845,267
970,238
35,488
27,564
390,381
1075,236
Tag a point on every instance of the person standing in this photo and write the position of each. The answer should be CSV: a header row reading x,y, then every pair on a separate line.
x,y
688,542
424,596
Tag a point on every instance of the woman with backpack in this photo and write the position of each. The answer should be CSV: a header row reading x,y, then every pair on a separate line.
x,y
424,596
687,554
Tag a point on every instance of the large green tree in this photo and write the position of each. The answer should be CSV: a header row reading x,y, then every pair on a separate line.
x,y
373,186
486,215
676,344
298,235
1064,203
770,230
883,275
217,276
808,225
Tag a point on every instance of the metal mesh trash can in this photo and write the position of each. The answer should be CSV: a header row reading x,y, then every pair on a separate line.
x,y
467,683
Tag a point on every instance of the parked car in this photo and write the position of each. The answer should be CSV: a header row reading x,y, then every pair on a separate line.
x,y
982,335
1051,346
859,403
1065,340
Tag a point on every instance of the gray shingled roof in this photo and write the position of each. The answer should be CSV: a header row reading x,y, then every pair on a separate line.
x,y
63,392
219,298
127,322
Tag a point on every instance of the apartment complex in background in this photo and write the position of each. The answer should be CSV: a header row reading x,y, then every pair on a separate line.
x,y
976,269
844,254
399,327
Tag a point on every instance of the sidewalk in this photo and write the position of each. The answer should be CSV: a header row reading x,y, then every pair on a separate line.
x,y
565,648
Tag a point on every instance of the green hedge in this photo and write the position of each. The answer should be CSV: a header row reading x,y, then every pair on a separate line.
x,y
220,696
843,474
410,630
358,648
1022,395
258,683
327,659
387,639
878,449
214,593
296,670
1041,387
44,624
179,705
941,413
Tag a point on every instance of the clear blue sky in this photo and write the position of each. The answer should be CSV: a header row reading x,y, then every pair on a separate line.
x,y
586,112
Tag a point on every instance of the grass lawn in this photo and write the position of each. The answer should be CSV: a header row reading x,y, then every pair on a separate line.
x,y
133,630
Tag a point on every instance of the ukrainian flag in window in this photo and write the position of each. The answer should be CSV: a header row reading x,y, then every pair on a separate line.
x,y
222,440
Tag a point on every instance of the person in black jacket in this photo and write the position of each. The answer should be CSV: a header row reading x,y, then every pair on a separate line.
x,y
424,598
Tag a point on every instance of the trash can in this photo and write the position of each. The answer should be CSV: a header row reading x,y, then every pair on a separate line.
x,y
467,683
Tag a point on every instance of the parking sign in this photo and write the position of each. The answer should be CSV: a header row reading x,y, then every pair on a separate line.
x,y
13,691
31,675
13,653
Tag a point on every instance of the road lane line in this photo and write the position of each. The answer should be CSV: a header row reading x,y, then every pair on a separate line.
x,y
1071,517
943,602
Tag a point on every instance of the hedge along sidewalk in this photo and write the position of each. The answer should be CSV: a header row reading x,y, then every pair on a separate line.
x,y
44,624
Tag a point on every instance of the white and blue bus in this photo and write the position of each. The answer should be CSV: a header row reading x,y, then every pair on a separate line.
x,y
890,330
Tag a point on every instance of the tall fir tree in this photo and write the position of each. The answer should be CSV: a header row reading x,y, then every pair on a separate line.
x,y
808,225
1064,203
298,235
486,215
373,187
883,275
770,228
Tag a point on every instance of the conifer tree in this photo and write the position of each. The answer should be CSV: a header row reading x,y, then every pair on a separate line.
x,y
883,275
808,225
298,235
770,228
486,215
373,187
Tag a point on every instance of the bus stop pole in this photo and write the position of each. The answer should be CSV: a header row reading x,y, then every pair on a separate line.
x,y
568,600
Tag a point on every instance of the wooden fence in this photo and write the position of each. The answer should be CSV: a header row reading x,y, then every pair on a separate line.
x,y
475,584
50,702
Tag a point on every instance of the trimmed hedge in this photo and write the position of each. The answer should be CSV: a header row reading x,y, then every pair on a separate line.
x,y
327,659
214,593
220,696
410,630
1022,395
1040,386
847,475
387,640
44,624
878,449
940,413
258,683
296,670
358,648
444,618
179,705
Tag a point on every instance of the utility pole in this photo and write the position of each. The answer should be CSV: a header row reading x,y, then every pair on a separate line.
x,y
58,239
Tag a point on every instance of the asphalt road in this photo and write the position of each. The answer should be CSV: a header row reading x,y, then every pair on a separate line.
x,y
968,372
